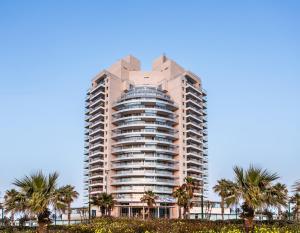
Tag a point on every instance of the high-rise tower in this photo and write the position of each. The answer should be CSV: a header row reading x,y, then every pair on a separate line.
x,y
145,131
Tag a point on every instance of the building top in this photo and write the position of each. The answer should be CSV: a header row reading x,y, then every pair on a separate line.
x,y
163,69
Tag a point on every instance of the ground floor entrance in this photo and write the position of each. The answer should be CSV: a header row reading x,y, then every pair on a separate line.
x,y
144,212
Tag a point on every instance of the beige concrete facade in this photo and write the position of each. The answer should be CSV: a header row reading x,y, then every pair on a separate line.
x,y
145,130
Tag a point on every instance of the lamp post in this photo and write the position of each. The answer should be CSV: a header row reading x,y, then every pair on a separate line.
x,y
202,206
89,203
289,211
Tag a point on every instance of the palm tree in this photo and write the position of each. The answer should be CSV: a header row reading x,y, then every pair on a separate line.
x,y
222,188
110,203
296,209
190,186
296,186
182,200
34,195
68,194
149,197
255,188
105,202
11,203
296,199
279,195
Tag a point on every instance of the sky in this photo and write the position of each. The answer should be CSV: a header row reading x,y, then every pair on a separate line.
x,y
247,54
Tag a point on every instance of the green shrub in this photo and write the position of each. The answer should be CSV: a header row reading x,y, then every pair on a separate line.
x,y
126,225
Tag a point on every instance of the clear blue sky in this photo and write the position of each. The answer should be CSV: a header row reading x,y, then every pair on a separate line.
x,y
247,53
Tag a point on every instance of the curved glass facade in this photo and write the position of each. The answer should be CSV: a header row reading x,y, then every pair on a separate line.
x,y
143,149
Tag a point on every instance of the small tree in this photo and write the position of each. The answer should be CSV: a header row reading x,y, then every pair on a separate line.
x,y
68,194
182,200
295,199
255,188
34,195
12,203
222,188
149,198
105,202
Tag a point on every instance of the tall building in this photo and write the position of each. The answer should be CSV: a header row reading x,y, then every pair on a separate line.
x,y
145,130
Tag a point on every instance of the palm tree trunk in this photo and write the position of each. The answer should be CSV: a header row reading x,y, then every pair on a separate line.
x,y
42,227
149,213
109,212
184,212
179,211
248,224
69,213
12,218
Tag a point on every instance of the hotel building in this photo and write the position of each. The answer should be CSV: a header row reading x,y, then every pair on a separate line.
x,y
144,130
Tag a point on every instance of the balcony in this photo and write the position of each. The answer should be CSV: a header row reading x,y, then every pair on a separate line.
x,y
98,101
144,117
170,166
96,138
122,133
141,108
194,125
139,156
97,123
96,130
94,191
143,188
196,154
96,117
95,175
153,101
152,173
198,162
98,87
96,160
145,93
96,145
144,148
141,124
194,147
97,109
97,152
143,140
158,181
97,94
194,102
96,167
194,117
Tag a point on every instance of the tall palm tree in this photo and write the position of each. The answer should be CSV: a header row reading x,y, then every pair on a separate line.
x,y
255,188
296,209
35,194
296,199
12,203
190,185
278,196
110,203
105,202
296,186
68,194
222,188
182,200
149,197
